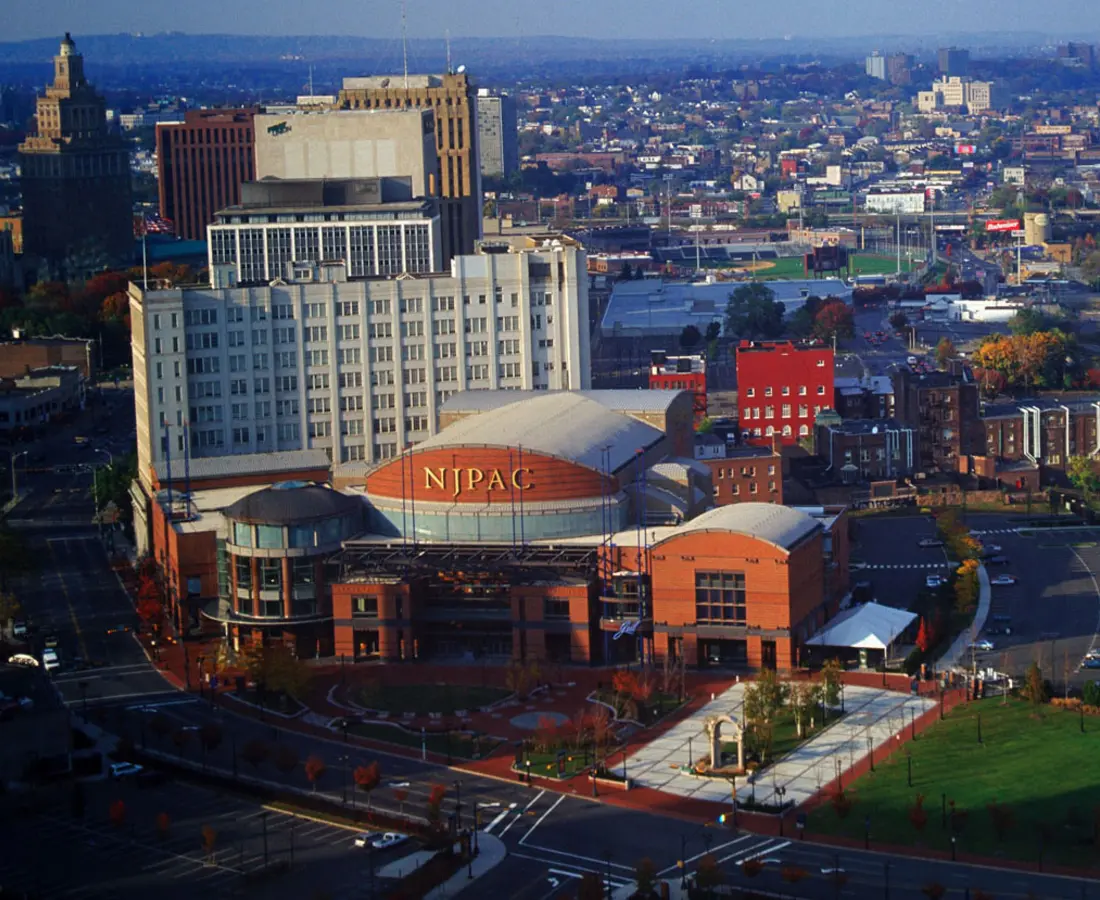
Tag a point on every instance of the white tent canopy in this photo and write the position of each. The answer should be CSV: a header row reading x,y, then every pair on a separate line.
x,y
870,626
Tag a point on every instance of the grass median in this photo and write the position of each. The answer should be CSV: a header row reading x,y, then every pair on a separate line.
x,y
1028,790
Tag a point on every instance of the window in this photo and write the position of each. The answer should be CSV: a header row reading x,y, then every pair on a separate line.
x,y
803,410
720,598
787,431
366,606
350,404
767,392
236,339
786,390
380,330
750,392
242,535
351,356
381,354
269,537
769,412
319,405
318,381
244,566
240,435
348,308
352,379
412,329
555,608
786,411
348,332
802,390
821,390
271,573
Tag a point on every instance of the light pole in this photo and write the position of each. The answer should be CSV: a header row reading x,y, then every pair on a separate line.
x,y
14,484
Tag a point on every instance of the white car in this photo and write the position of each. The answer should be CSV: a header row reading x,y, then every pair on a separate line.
x,y
983,644
125,769
992,548
389,839
50,660
934,581
19,629
1003,579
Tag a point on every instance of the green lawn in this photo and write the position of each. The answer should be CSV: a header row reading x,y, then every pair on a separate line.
x,y
784,737
862,264
428,698
1038,765
545,765
461,746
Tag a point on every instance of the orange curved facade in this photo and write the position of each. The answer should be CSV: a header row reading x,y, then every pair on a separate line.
x,y
484,475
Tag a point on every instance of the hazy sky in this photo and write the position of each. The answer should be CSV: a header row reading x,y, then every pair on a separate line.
x,y
21,19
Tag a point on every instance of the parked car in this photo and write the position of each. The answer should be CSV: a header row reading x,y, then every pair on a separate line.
x,y
1090,662
19,629
126,769
983,645
926,543
934,581
1003,580
993,548
119,629
996,561
50,660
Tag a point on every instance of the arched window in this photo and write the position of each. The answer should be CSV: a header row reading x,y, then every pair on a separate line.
x,y
769,431
787,431
803,430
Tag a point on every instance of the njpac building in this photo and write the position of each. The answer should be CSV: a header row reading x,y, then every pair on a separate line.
x,y
566,526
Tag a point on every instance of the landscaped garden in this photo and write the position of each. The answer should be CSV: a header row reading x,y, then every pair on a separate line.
x,y
1015,780
423,699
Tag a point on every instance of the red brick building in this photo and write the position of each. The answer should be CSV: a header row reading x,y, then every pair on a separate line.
x,y
201,163
747,475
681,373
782,386
17,357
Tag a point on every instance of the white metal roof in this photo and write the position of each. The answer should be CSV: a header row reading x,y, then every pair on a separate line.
x,y
619,400
870,626
563,424
281,461
779,525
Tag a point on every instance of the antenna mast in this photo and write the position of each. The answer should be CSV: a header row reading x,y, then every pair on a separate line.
x,y
447,35
311,82
405,44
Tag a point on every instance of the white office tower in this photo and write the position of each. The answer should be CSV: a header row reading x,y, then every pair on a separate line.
x,y
357,367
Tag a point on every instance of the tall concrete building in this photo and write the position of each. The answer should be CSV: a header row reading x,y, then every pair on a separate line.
x,y
201,164
953,62
497,137
369,226
875,66
452,98
899,68
358,368
369,143
77,207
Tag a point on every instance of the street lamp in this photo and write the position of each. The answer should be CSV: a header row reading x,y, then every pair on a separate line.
x,y
14,486
343,760
871,751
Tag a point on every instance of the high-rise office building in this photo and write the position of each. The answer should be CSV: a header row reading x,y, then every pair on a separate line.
x,y
497,138
452,98
899,68
875,66
358,368
954,62
77,207
201,164
370,226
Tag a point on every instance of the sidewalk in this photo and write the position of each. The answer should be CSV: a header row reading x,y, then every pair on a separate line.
x,y
492,853
958,649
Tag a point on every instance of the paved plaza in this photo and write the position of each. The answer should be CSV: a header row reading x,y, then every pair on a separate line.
x,y
873,717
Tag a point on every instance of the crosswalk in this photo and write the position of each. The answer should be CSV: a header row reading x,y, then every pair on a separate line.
x,y
983,533
861,567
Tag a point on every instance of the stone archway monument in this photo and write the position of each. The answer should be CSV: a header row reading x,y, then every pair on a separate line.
x,y
713,727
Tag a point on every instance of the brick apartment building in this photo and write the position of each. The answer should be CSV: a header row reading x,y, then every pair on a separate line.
x,y
747,475
866,449
864,398
782,386
942,408
20,355
201,164
681,373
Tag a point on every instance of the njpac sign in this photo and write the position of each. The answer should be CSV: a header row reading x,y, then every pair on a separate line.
x,y
1002,225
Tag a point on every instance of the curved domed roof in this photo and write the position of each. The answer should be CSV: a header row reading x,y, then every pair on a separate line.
x,y
291,502
778,525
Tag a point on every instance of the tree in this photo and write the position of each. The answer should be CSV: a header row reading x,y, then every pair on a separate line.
x,y
708,874
803,700
834,320
435,803
793,874
714,331
254,752
117,813
841,803
116,308
286,759
750,868
162,822
9,609
160,726
945,350
1034,688
1090,266
1028,321
590,887
690,337
276,669
1079,470
923,641
917,814
1002,818
210,736
181,737
753,312
966,586
831,672
315,768
933,891
209,839
645,877
898,321
367,778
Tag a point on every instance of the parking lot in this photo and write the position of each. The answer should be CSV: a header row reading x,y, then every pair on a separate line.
x,y
1051,610
130,852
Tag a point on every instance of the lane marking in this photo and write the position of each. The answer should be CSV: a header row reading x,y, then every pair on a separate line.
x,y
488,829
602,872
598,862
69,602
541,818
675,866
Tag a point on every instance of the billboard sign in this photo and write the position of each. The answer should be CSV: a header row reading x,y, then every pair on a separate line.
x,y
965,149
996,225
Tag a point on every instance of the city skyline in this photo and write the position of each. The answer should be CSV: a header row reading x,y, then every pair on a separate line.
x,y
645,19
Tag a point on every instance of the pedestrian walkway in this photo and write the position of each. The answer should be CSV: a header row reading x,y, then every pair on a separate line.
x,y
860,567
872,717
